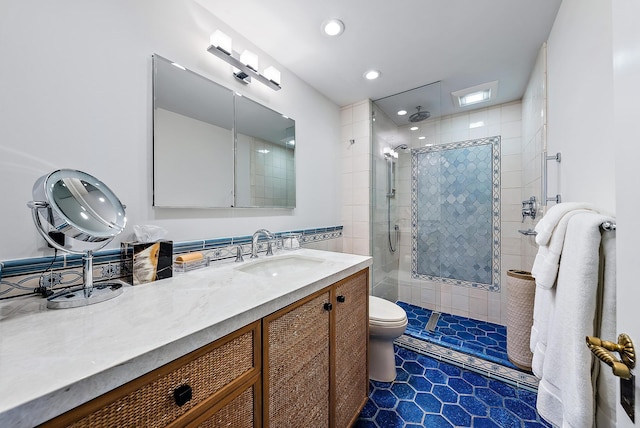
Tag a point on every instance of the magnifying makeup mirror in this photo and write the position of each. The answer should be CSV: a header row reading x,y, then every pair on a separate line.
x,y
90,215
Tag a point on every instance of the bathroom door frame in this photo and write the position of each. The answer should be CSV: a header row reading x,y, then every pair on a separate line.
x,y
626,137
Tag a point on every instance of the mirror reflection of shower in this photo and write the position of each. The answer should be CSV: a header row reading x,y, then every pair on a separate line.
x,y
391,154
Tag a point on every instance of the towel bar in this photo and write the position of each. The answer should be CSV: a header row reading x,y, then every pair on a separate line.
x,y
557,198
608,225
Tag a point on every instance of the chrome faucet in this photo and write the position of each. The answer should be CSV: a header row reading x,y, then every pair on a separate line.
x,y
254,242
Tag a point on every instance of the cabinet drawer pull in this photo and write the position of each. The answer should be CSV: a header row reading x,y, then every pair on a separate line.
x,y
341,299
328,306
182,394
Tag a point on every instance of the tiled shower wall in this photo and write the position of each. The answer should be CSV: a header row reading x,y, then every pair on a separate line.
x,y
355,157
359,147
534,124
504,121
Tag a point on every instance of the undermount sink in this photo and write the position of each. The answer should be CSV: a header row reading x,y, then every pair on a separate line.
x,y
280,266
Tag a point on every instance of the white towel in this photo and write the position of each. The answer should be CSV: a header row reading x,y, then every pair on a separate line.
x,y
547,261
565,392
545,271
552,217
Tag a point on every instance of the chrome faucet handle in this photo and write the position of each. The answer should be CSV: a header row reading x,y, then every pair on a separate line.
x,y
269,248
254,242
239,257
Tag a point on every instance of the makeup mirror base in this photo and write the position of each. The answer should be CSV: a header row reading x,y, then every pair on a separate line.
x,y
76,298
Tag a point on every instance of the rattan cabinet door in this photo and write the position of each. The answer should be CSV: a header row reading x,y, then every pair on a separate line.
x,y
212,371
352,324
296,364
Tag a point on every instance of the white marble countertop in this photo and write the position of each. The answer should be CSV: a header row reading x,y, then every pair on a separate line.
x,y
54,360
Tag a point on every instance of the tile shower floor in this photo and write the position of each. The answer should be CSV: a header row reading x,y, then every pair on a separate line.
x,y
430,392
482,339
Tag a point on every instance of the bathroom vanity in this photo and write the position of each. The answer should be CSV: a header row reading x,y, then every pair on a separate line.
x,y
229,344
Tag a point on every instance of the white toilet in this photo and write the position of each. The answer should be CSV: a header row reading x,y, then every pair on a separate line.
x,y
387,322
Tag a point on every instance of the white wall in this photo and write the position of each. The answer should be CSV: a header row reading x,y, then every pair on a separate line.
x,y
626,134
75,92
580,102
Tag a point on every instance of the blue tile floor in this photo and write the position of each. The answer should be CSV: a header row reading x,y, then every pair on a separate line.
x,y
429,393
482,339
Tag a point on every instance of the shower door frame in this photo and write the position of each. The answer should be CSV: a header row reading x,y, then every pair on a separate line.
x,y
495,214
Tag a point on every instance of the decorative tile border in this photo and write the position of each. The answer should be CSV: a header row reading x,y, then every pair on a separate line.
x,y
22,277
495,160
470,362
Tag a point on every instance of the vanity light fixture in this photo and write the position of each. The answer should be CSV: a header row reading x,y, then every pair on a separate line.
x,y
245,66
372,74
273,74
249,59
221,41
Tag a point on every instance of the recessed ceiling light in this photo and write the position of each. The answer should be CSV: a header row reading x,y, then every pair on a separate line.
x,y
372,74
421,138
333,27
402,112
414,128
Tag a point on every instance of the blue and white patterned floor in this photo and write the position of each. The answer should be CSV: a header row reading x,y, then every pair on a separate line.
x,y
482,339
429,393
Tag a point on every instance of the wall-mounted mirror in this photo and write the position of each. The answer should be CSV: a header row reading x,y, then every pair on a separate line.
x,y
215,149
265,161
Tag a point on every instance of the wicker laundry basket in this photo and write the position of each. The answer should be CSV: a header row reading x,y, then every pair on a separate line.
x,y
521,288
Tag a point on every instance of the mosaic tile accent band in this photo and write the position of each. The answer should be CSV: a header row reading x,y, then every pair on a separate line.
x,y
473,363
455,213
21,277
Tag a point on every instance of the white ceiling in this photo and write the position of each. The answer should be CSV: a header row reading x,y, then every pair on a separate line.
x,y
460,43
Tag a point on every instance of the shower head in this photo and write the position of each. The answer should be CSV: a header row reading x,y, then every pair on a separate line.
x,y
419,116
401,147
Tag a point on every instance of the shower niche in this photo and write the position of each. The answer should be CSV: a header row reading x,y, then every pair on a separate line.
x,y
455,213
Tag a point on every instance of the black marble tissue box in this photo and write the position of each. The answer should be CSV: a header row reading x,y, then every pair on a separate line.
x,y
147,262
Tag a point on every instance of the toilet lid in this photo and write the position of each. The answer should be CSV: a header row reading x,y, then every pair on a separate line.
x,y
382,310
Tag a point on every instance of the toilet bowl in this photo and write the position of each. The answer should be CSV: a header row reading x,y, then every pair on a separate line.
x,y
387,322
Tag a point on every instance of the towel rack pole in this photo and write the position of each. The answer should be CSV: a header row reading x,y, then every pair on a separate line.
x,y
545,177
608,225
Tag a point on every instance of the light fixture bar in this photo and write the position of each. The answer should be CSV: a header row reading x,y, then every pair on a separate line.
x,y
230,59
